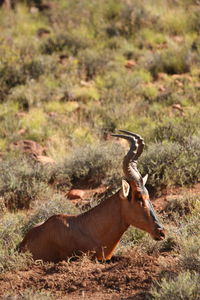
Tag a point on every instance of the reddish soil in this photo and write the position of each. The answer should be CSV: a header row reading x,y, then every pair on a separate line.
x,y
125,277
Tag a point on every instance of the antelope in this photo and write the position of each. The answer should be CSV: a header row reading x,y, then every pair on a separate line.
x,y
99,230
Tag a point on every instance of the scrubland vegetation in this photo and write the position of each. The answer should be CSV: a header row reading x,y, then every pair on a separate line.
x,y
71,73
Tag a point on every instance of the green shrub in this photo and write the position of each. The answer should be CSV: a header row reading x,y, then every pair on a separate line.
x,y
29,294
181,237
190,225
56,205
10,236
177,21
123,82
12,260
174,60
183,287
188,244
196,45
35,124
11,229
133,17
84,94
94,164
189,258
131,238
176,131
159,162
150,93
171,164
33,69
9,122
18,74
93,62
11,76
65,41
151,247
181,206
35,93
149,38
22,182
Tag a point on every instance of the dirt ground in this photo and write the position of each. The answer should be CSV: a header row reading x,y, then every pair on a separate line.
x,y
125,277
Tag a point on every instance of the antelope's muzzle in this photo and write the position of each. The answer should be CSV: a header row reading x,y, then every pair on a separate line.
x,y
159,233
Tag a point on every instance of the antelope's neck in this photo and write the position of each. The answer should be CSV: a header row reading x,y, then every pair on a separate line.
x,y
105,223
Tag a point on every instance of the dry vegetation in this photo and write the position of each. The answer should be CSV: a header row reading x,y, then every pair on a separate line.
x,y
72,72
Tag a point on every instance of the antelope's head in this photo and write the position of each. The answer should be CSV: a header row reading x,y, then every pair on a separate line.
x,y
137,207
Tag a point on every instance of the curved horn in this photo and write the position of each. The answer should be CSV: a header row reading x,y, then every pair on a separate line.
x,y
130,160
140,142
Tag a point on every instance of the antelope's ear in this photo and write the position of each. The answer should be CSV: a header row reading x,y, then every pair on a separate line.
x,y
125,189
145,179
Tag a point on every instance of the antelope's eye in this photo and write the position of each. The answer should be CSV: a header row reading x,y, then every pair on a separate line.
x,y
139,197
129,196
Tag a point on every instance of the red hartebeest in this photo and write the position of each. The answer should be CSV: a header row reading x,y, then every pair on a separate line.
x,y
99,230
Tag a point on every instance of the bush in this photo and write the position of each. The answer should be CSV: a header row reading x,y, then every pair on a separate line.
x,y
131,238
174,60
35,124
188,244
134,16
148,38
93,62
10,236
171,164
181,206
174,25
9,122
92,164
183,287
18,74
11,76
151,247
176,131
190,225
189,258
56,205
29,294
22,182
71,43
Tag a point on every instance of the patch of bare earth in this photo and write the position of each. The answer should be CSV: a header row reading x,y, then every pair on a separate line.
x,y
125,277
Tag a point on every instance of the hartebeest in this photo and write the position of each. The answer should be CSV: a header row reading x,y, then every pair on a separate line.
x,y
99,230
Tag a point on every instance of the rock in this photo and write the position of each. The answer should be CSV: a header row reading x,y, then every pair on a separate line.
x,y
21,131
162,89
43,159
178,107
87,83
129,64
28,146
43,32
161,76
63,59
76,194
72,288
34,10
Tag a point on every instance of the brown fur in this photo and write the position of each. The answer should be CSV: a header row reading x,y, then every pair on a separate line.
x,y
97,231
